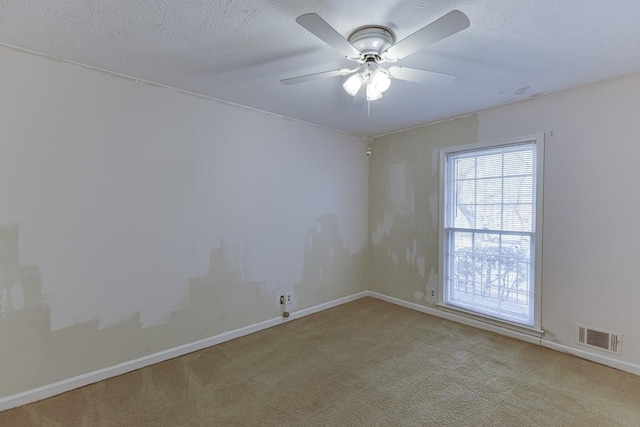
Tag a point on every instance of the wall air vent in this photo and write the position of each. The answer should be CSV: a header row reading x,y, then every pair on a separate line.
x,y
602,340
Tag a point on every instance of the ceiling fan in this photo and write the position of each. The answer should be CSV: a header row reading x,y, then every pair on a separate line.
x,y
373,45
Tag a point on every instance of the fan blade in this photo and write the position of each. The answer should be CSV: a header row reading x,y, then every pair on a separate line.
x,y
308,77
439,29
317,26
421,76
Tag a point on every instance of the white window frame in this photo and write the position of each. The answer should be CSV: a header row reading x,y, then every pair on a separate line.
x,y
538,139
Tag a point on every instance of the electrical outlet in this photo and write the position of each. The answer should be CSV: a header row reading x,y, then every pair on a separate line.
x,y
432,293
288,297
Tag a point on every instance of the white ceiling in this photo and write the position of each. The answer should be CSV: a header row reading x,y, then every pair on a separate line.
x,y
238,50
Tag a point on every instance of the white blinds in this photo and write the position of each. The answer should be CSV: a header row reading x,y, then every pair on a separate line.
x,y
489,227
492,189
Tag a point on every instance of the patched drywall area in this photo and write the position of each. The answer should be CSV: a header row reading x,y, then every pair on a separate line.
x,y
135,219
403,207
590,229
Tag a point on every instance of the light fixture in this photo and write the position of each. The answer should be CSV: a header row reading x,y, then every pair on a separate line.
x,y
370,74
352,84
372,93
378,82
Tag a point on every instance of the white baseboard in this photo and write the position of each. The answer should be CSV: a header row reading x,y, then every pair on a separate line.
x,y
326,305
457,318
583,354
69,384
597,358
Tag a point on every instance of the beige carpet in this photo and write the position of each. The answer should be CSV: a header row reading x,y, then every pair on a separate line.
x,y
367,363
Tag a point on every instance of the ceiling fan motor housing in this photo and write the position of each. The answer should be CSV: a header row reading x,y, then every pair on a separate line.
x,y
372,40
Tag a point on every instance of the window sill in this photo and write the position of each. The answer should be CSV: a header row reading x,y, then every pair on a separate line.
x,y
491,320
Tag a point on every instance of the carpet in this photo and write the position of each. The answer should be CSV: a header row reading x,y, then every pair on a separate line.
x,y
366,363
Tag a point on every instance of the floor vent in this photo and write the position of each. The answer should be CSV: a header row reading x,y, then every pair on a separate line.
x,y
602,340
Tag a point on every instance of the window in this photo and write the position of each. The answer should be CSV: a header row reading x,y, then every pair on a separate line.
x,y
489,212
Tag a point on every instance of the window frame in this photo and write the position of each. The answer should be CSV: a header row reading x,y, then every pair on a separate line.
x,y
443,243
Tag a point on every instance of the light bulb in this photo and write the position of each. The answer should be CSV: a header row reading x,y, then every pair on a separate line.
x,y
380,80
372,93
378,83
352,84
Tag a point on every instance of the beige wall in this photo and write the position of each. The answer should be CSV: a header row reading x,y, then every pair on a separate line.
x,y
591,234
135,219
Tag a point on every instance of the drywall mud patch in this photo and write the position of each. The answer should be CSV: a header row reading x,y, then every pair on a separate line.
x,y
330,271
225,291
20,286
33,355
404,206
24,317
401,190
382,229
434,201
222,299
415,259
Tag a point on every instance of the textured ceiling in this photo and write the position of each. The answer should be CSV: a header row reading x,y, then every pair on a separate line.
x,y
238,50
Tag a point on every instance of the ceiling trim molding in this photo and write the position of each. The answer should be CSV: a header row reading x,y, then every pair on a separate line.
x,y
136,80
